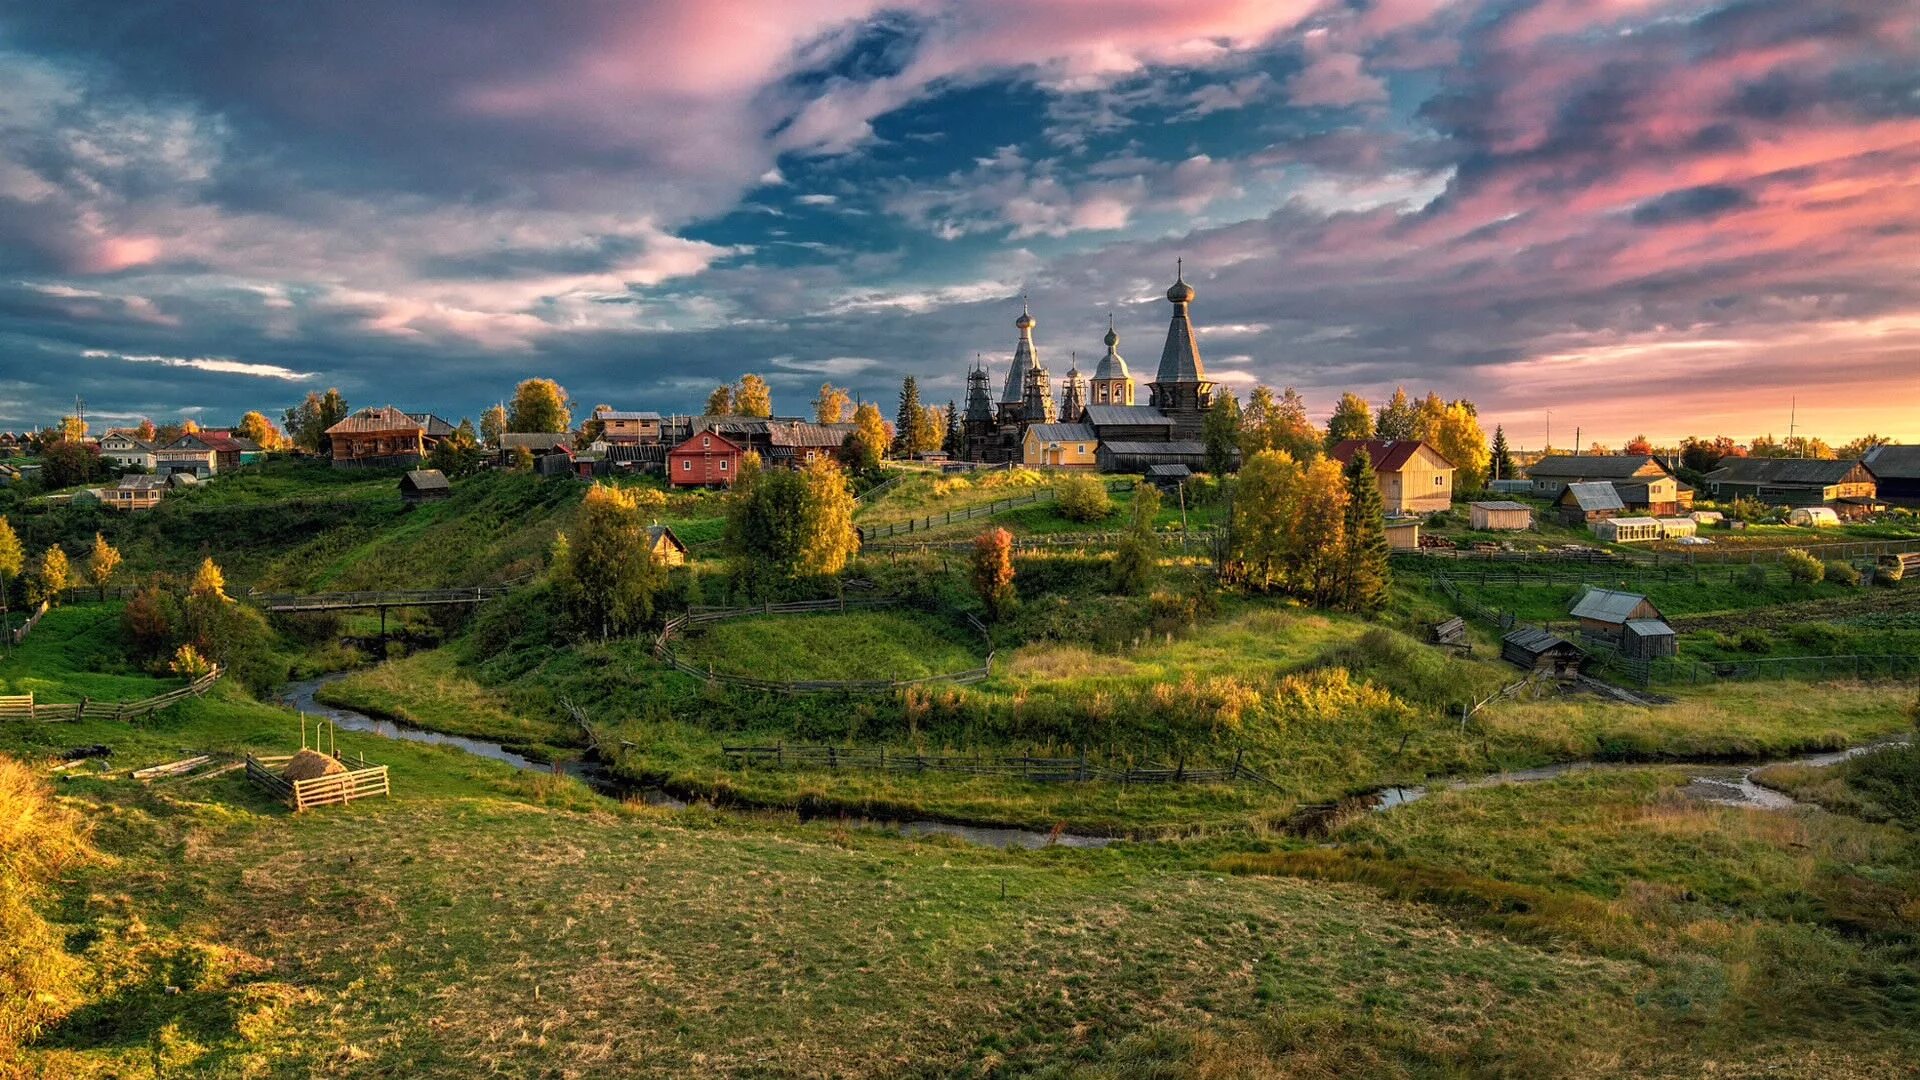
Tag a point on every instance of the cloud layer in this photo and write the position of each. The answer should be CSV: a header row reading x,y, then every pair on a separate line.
x,y
1536,203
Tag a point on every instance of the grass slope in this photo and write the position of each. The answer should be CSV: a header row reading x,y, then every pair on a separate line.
x,y
847,645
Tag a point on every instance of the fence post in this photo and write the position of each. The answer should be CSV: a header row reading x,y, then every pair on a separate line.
x,y
80,710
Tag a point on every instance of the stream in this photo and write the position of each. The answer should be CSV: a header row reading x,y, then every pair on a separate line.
x,y
1723,785
1727,785
300,696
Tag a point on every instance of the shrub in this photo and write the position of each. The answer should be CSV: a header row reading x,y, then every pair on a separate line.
x,y
1754,577
1889,571
1083,497
1753,641
1842,573
1802,568
1825,638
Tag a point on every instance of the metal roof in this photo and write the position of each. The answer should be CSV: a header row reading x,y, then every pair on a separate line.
x,y
804,434
1111,366
1063,432
1175,448
1607,605
1387,455
386,418
535,440
428,480
1503,504
1588,466
1596,495
1175,470
1121,415
1649,628
1893,462
623,414
1751,470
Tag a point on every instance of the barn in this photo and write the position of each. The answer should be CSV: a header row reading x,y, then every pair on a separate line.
x,y
1896,473
1500,516
1533,649
1628,620
1627,530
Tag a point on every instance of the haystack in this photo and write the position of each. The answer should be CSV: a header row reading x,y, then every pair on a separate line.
x,y
308,764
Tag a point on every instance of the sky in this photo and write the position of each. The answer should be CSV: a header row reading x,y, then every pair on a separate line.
x,y
1620,216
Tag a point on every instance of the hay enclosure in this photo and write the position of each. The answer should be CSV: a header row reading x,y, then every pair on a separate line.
x,y
311,778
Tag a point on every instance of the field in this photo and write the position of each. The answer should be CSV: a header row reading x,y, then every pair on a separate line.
x,y
486,920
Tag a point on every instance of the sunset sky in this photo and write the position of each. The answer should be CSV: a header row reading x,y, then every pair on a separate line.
x,y
1645,216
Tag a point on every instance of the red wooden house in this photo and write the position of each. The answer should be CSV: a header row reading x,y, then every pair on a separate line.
x,y
705,459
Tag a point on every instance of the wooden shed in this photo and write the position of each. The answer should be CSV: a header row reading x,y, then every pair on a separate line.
x,y
1403,535
1533,649
424,485
1585,503
664,548
1501,516
1628,620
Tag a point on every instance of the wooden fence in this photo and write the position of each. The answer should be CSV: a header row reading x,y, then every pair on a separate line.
x,y
1182,540
933,521
343,601
23,707
20,632
663,650
360,781
1685,670
1012,767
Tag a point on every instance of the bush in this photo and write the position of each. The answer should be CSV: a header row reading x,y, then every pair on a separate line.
x,y
1753,641
1842,573
1083,497
1889,571
1754,577
1824,638
1802,568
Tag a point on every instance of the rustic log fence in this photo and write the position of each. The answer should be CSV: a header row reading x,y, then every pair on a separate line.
x,y
1012,767
361,781
344,601
699,616
870,533
20,632
24,707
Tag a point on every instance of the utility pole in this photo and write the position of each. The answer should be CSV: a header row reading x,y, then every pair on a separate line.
x,y
1549,446
1793,418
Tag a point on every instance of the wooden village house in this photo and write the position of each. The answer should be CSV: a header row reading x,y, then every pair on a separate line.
x,y
1627,621
1414,478
536,443
138,492
621,427
1845,487
191,454
127,450
383,437
1059,446
1551,474
705,459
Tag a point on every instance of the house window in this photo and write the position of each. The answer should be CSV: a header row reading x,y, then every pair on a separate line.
x,y
686,464
723,464
704,441
1440,481
1082,448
